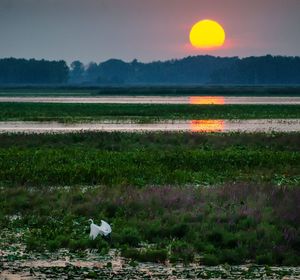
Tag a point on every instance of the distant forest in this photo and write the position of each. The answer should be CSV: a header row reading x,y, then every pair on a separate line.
x,y
196,70
22,71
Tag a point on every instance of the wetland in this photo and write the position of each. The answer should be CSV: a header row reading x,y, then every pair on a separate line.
x,y
198,190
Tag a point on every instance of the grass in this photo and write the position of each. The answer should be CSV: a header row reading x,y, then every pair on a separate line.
x,y
76,166
140,112
152,159
153,189
164,141
232,223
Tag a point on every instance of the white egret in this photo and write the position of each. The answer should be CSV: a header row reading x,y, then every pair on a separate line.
x,y
103,230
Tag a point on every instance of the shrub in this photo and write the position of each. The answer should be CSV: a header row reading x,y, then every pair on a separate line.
x,y
130,236
245,223
62,241
264,259
52,245
130,253
74,245
181,251
232,257
155,231
291,259
216,237
210,260
155,255
147,255
179,231
111,210
34,244
205,247
103,248
231,242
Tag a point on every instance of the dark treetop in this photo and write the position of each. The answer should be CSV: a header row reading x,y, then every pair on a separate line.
x,y
197,70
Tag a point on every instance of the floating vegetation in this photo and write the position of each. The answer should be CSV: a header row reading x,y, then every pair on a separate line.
x,y
142,113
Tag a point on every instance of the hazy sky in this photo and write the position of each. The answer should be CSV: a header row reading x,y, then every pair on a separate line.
x,y
96,30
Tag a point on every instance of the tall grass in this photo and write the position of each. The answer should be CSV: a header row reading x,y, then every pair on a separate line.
x,y
233,223
69,166
122,141
153,189
159,158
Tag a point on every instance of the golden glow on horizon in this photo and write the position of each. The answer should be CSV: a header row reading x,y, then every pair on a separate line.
x,y
207,125
207,34
207,100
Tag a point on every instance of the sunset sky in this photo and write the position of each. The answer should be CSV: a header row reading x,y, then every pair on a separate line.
x,y
97,30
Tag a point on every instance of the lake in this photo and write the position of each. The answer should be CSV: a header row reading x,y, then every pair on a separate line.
x,y
197,126
194,100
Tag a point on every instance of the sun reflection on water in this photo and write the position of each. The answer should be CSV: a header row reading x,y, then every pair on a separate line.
x,y
207,100
207,125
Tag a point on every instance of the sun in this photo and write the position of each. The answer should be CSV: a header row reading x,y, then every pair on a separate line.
x,y
207,34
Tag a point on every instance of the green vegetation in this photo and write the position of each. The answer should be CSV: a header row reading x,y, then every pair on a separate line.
x,y
230,224
153,189
69,166
139,112
146,255
118,159
164,141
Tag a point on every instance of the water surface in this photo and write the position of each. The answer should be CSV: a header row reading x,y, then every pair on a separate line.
x,y
194,100
197,126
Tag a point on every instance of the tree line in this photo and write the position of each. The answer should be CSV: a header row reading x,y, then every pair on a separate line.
x,y
192,70
22,71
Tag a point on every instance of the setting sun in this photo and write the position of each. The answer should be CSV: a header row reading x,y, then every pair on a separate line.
x,y
207,34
